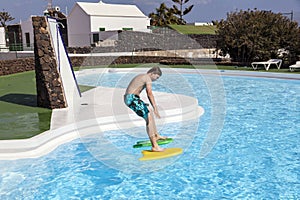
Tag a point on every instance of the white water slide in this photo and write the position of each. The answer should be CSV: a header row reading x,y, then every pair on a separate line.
x,y
70,85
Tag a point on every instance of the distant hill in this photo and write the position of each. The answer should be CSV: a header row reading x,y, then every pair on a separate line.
x,y
197,30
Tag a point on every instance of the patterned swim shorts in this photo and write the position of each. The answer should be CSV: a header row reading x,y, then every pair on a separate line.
x,y
137,105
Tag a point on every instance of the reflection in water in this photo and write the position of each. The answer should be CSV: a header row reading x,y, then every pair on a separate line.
x,y
24,125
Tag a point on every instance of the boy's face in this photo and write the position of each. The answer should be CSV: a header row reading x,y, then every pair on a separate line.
x,y
154,77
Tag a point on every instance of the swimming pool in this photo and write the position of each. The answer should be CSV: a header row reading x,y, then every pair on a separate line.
x,y
255,157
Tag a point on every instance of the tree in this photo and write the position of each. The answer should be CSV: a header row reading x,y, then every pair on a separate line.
x,y
5,17
158,18
255,35
163,16
179,11
174,15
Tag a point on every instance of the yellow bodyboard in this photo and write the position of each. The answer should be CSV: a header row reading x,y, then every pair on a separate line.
x,y
168,152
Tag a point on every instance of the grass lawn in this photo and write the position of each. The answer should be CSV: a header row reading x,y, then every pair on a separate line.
x,y
191,29
216,67
21,118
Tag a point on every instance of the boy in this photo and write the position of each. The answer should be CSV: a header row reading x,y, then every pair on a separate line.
x,y
133,101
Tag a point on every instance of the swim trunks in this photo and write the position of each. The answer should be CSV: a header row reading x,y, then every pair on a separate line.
x,y
137,105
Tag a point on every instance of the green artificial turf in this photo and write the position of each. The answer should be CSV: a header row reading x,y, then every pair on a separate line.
x,y
191,29
20,117
212,67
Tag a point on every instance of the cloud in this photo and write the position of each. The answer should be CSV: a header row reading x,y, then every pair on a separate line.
x,y
149,3
201,2
21,3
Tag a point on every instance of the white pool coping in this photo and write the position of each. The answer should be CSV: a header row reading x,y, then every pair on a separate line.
x,y
93,114
214,72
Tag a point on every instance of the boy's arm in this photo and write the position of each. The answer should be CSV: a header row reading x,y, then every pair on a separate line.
x,y
151,98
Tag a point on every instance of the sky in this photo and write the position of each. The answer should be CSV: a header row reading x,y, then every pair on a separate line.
x,y
203,11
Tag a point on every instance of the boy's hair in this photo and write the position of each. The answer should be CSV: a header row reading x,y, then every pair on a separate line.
x,y
155,70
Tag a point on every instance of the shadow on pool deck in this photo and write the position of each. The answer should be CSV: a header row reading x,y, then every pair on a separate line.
x,y
20,99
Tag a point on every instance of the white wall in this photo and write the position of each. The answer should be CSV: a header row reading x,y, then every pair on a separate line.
x,y
3,47
27,27
117,23
81,25
79,28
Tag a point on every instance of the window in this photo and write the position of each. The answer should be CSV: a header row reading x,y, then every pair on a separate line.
x,y
101,29
27,38
127,29
95,37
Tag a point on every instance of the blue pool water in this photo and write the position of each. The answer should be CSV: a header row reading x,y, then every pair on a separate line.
x,y
256,156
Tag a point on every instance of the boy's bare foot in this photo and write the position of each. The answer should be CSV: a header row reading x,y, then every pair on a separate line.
x,y
159,137
158,149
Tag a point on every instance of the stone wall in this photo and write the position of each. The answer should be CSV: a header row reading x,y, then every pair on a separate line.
x,y
129,41
114,60
49,86
164,39
15,66
26,64
206,41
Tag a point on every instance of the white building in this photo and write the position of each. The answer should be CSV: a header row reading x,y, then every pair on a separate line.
x,y
202,24
3,47
27,34
86,21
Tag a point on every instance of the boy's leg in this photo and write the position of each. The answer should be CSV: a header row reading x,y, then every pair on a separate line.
x,y
152,133
157,136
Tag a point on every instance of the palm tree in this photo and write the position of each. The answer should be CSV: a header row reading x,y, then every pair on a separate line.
x,y
5,17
